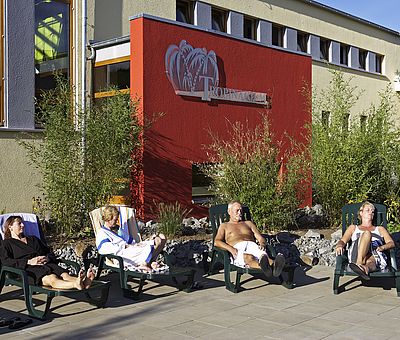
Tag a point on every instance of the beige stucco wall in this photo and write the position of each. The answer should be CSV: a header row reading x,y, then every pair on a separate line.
x,y
301,16
18,180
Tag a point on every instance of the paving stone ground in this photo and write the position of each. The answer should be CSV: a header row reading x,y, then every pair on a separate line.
x,y
264,310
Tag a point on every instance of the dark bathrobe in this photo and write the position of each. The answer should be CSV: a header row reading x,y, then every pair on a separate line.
x,y
15,253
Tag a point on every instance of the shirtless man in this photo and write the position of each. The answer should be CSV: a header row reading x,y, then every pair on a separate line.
x,y
239,238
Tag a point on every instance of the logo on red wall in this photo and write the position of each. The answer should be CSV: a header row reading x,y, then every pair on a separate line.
x,y
194,72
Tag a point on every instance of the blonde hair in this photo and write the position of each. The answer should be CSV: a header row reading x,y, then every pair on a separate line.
x,y
366,203
109,212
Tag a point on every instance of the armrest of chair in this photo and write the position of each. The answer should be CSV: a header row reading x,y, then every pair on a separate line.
x,y
20,272
341,261
393,262
226,254
111,257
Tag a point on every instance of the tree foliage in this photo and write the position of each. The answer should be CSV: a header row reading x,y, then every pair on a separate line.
x,y
247,167
84,160
355,158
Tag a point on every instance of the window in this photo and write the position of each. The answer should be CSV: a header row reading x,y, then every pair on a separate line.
x,y
249,28
277,35
363,123
1,64
184,12
325,117
111,73
52,42
345,123
344,54
324,45
302,41
378,63
218,18
362,59
200,185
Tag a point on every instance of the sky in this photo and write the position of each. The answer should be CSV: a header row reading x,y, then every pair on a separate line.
x,y
382,12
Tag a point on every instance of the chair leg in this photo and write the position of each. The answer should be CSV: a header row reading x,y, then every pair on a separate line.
x,y
129,292
211,269
336,284
100,301
397,281
228,282
289,283
32,310
237,283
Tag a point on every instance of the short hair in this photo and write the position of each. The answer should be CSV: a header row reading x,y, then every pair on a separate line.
x,y
8,223
109,212
231,203
366,203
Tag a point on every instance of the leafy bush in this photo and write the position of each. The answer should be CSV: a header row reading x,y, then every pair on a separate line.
x,y
82,160
170,218
353,161
247,167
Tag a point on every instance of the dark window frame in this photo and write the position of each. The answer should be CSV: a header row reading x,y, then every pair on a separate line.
x,y
302,41
219,17
250,28
324,46
362,59
379,63
344,54
278,31
185,7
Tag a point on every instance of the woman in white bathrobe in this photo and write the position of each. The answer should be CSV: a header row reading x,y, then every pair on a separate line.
x,y
138,255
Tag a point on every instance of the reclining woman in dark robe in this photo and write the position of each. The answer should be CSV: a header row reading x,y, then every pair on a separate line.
x,y
32,255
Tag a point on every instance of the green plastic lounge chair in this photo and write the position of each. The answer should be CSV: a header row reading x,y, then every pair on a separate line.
x,y
97,294
114,263
349,217
218,215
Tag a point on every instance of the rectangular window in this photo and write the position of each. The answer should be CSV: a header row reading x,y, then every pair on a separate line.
x,y
1,64
277,35
378,63
250,28
52,43
324,45
325,117
218,18
362,59
302,41
113,73
344,54
184,11
363,123
345,123
200,185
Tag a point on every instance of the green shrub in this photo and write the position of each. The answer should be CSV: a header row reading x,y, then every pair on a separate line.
x,y
353,161
246,167
169,217
82,156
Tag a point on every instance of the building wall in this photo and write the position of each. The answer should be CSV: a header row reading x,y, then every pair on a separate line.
x,y
304,16
19,179
179,137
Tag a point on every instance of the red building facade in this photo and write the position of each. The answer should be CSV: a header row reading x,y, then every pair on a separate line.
x,y
197,81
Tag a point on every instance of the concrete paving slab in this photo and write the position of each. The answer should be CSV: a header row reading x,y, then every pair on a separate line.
x,y
262,311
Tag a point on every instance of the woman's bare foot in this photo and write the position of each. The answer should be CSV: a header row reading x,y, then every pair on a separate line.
x,y
90,275
80,279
